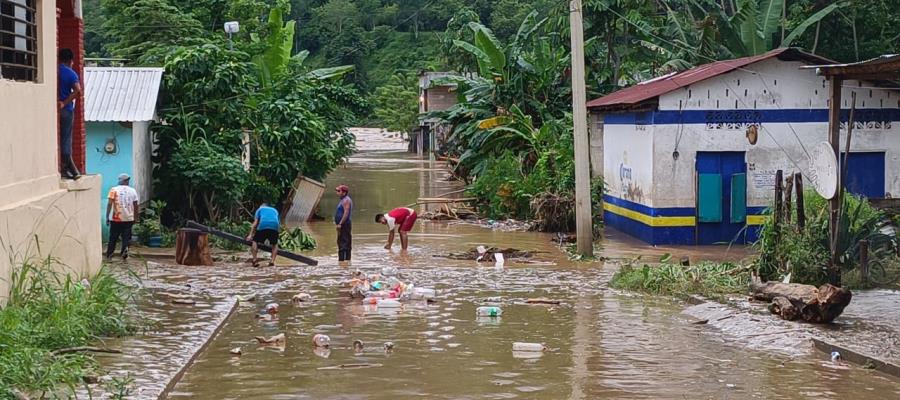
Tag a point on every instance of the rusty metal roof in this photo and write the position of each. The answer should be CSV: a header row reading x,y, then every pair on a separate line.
x,y
649,90
121,94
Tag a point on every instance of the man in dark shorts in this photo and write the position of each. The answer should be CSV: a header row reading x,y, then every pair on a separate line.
x,y
400,219
265,229
343,222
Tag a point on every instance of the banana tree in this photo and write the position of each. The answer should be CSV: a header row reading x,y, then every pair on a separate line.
x,y
752,29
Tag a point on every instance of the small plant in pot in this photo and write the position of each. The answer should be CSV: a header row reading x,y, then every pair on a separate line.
x,y
150,229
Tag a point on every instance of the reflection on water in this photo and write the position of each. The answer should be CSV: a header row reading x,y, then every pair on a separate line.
x,y
602,344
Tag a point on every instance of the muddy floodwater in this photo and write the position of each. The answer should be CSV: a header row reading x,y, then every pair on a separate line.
x,y
602,344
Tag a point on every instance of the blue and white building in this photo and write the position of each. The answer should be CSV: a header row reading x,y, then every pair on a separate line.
x,y
677,157
120,105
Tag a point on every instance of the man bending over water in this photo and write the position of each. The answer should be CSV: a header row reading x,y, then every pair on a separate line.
x,y
401,220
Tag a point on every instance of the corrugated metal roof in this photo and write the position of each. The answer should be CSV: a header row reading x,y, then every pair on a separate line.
x,y
653,88
121,94
886,64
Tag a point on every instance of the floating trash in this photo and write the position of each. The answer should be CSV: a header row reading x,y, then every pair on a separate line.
x,y
320,340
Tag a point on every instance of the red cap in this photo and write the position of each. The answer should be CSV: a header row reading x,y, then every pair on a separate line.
x,y
342,188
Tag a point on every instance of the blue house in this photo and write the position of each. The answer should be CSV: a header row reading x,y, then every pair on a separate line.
x,y
120,104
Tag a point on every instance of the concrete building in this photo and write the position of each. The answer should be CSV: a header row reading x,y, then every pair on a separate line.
x,y
120,104
433,96
40,214
676,155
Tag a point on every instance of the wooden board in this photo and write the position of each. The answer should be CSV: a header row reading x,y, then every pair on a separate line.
x,y
304,199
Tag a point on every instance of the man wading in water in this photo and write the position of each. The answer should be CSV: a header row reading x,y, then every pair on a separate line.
x,y
342,222
265,229
400,219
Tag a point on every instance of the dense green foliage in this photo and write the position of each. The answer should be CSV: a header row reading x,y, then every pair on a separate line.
x,y
48,311
706,278
805,253
514,102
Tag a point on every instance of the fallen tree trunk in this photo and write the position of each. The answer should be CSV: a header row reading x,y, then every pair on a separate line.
x,y
793,301
192,247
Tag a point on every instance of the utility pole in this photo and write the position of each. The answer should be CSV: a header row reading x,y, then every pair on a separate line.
x,y
834,138
583,223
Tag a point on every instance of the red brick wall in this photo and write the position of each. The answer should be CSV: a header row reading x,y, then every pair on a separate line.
x,y
70,34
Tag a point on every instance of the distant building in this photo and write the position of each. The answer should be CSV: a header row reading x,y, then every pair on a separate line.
x,y
676,157
433,96
120,104
35,204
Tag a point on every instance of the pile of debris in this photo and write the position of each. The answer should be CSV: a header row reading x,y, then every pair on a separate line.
x,y
482,254
386,289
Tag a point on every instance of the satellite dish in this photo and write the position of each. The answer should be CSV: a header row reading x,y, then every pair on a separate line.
x,y
823,170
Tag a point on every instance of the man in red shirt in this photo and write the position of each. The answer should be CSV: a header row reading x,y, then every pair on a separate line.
x,y
400,219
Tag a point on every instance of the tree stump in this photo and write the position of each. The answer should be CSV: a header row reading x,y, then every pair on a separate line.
x,y
793,301
192,247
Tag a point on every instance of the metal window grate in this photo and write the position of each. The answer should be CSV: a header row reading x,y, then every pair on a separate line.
x,y
18,40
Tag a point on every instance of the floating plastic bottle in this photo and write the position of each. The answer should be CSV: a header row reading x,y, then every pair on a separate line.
x,y
382,303
379,294
320,340
528,347
388,303
389,271
835,356
419,293
489,312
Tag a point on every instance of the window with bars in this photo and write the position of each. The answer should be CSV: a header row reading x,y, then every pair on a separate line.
x,y
18,40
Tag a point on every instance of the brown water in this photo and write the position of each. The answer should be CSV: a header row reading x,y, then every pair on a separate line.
x,y
604,344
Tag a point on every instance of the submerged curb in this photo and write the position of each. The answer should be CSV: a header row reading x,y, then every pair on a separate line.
x,y
200,349
856,357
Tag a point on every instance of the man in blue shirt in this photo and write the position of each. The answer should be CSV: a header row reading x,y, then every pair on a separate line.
x,y
265,229
69,89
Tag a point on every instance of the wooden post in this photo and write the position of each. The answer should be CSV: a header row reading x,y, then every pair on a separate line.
x,y
834,138
192,247
583,223
801,208
788,189
864,262
779,188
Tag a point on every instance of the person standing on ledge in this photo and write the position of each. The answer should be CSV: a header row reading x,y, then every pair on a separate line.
x,y
343,223
122,201
400,219
69,89
266,223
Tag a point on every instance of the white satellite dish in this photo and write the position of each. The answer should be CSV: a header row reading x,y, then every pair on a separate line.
x,y
823,170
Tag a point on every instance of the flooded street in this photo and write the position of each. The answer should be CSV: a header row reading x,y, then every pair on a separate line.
x,y
602,344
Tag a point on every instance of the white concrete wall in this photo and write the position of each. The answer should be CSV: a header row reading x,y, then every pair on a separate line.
x,y
141,163
770,85
628,162
33,202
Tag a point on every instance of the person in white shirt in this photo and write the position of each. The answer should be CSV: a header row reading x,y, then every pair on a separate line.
x,y
123,204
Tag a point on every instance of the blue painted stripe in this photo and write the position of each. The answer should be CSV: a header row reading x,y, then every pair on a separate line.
x,y
653,212
667,211
763,116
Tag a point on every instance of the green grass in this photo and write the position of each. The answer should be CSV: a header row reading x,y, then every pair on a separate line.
x,y
48,311
709,279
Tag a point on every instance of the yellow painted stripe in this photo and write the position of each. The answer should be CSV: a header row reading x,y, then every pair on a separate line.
x,y
647,219
756,219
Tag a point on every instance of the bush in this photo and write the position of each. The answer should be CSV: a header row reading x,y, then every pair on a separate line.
x,y
706,278
295,240
239,228
49,311
805,253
